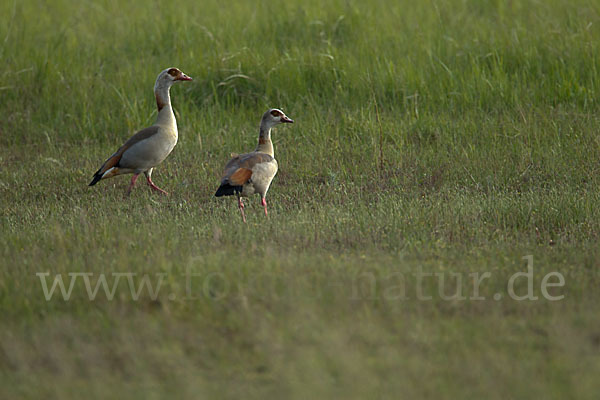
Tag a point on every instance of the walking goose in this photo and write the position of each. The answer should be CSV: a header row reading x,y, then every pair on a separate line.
x,y
150,146
250,173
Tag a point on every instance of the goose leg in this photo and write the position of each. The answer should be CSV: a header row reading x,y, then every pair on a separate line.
x,y
133,179
263,202
241,206
151,184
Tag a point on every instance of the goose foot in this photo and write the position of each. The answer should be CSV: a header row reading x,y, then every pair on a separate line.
x,y
156,188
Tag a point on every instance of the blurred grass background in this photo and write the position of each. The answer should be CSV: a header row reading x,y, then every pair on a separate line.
x,y
447,136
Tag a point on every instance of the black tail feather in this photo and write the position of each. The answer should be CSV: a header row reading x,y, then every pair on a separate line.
x,y
96,179
227,190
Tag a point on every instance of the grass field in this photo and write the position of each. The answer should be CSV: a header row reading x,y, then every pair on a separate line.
x,y
435,137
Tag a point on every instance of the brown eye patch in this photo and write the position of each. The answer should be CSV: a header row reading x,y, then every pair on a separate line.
x,y
275,113
173,72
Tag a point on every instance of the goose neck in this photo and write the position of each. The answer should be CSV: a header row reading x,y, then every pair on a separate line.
x,y
264,141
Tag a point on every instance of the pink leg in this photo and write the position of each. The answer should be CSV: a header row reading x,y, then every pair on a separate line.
x,y
133,179
263,202
154,187
241,206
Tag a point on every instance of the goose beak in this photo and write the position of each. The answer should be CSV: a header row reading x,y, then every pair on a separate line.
x,y
286,119
183,77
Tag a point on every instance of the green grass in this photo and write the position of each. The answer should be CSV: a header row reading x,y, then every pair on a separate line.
x,y
438,136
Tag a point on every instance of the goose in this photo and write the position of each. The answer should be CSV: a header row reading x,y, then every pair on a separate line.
x,y
250,173
150,146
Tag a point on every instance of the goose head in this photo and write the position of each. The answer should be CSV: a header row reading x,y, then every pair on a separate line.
x,y
170,76
274,117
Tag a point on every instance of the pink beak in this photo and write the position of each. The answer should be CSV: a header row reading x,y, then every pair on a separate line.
x,y
285,118
183,77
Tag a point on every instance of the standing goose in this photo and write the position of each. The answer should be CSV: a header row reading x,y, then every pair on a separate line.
x,y
250,173
150,146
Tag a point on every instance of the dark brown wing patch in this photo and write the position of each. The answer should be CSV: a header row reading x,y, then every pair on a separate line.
x,y
111,162
240,177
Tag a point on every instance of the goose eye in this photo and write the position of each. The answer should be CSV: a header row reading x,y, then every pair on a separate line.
x,y
173,72
275,113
